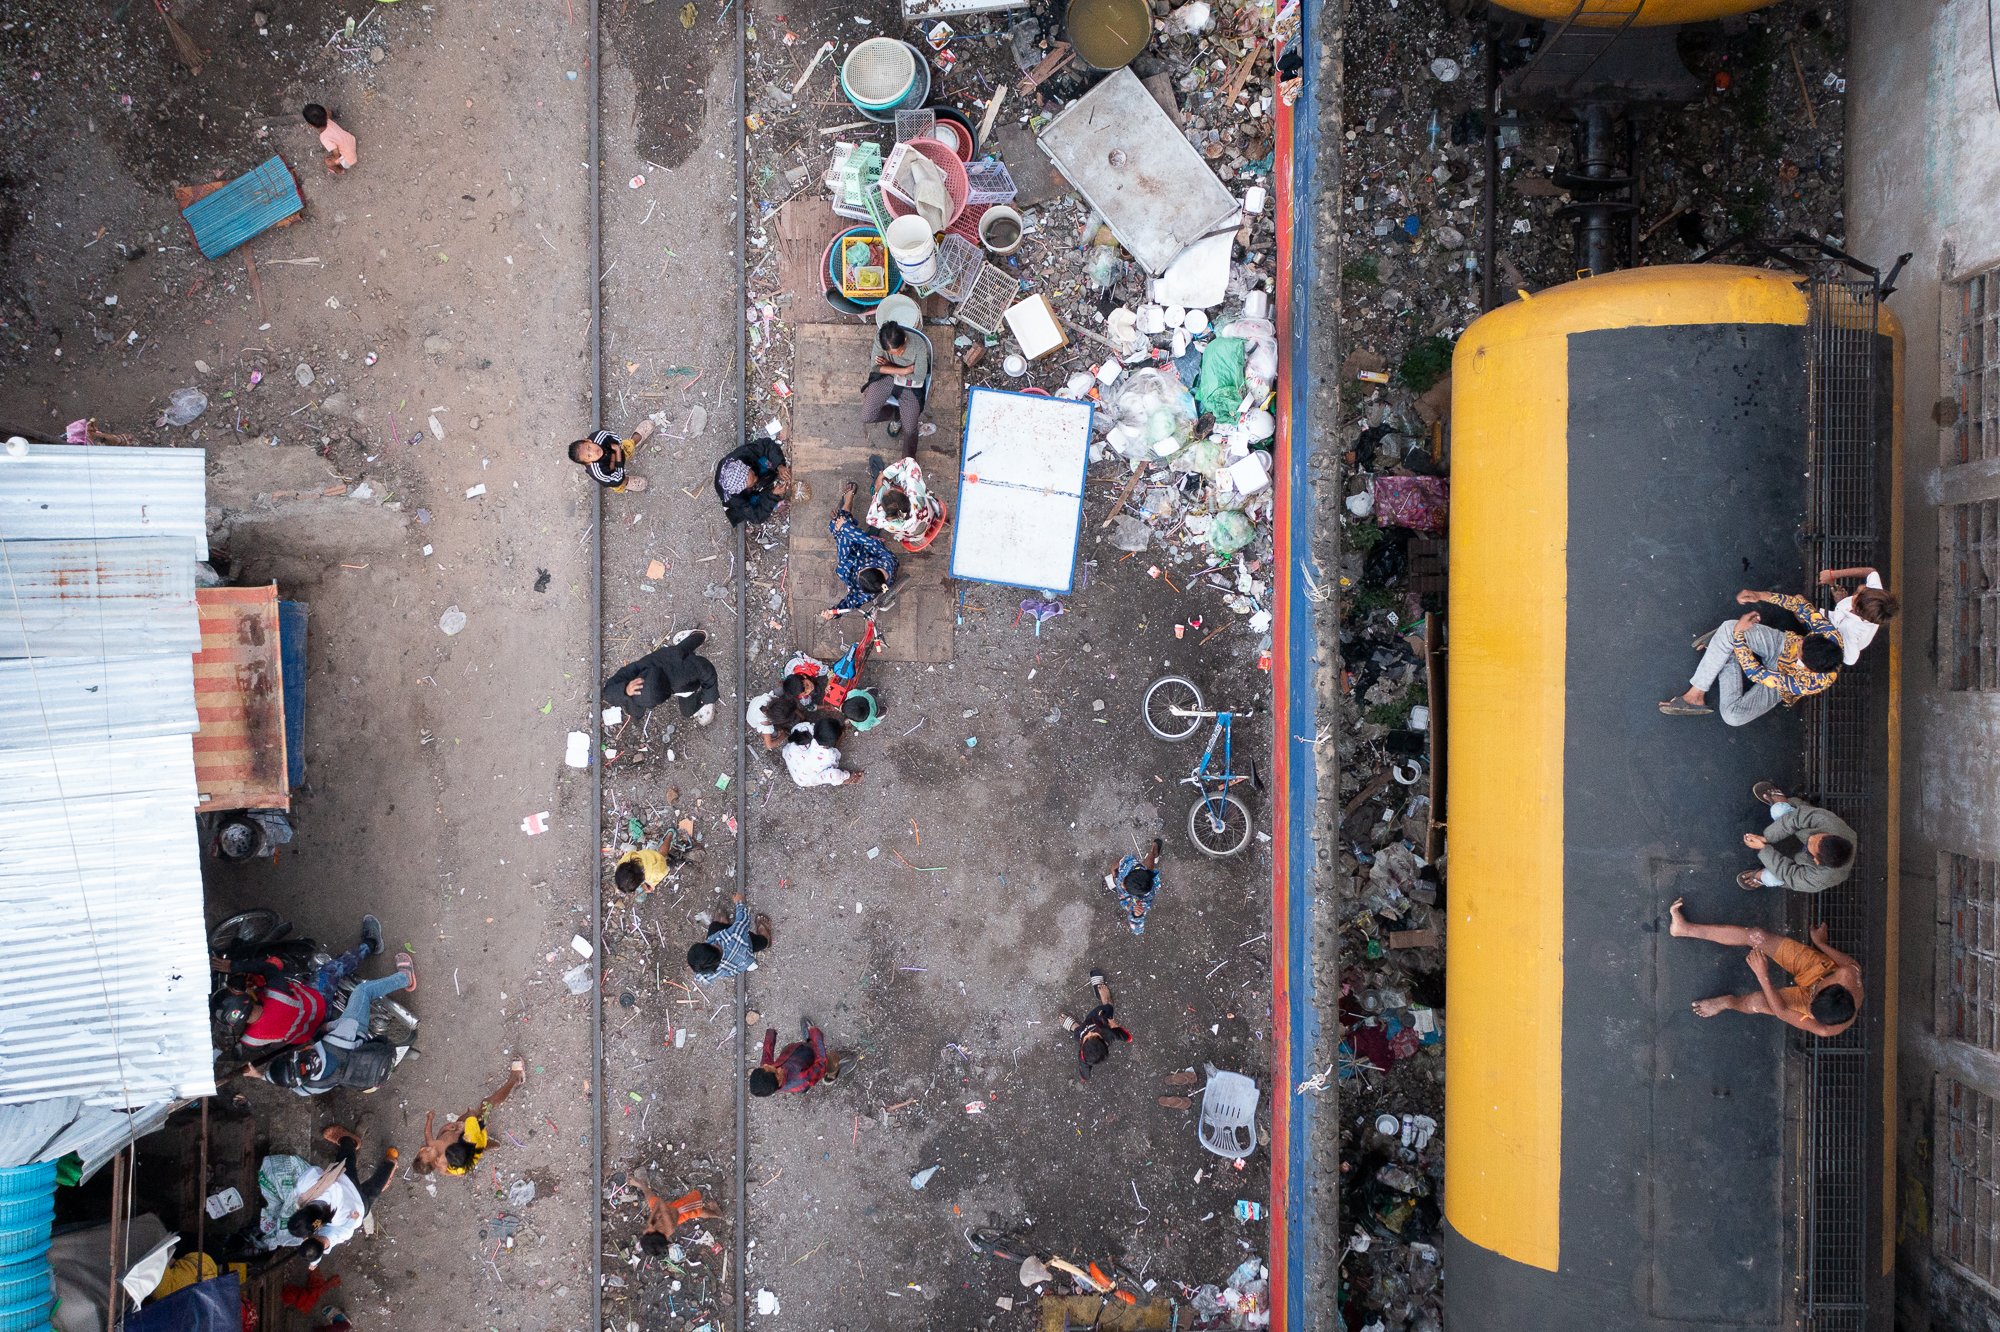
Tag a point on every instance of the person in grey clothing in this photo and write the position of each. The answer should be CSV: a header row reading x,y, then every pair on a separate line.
x,y
1825,855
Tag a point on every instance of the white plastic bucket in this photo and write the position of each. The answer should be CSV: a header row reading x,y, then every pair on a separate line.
x,y
913,248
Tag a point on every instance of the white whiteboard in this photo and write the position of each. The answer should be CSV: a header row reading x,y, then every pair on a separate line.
x,y
1020,491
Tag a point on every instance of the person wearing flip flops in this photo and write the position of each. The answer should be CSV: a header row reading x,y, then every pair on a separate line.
x,y
1754,667
1825,855
606,456
1093,1034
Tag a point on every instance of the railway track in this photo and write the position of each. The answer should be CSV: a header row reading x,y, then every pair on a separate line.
x,y
732,705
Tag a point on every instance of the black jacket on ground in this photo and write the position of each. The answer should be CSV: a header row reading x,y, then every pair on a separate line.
x,y
764,458
674,671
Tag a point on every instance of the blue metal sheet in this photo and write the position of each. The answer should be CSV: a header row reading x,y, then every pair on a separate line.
x,y
292,669
245,208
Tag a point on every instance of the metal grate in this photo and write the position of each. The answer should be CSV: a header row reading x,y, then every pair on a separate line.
x,y
1978,333
1969,558
1844,759
1966,1191
1968,990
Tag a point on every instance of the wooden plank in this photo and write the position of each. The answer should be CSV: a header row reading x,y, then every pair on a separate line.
x,y
829,446
805,228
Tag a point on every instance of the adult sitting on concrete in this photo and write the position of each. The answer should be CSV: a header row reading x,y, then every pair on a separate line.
x,y
752,481
676,671
1758,667
1825,846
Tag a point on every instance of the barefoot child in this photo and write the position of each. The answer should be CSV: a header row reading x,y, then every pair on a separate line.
x,y
1825,990
458,1149
339,144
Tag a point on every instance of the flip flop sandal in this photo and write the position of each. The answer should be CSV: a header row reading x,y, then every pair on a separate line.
x,y
1750,880
1767,792
1678,707
338,1134
1701,640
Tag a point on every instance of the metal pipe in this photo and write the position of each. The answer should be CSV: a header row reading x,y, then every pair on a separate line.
x,y
1489,242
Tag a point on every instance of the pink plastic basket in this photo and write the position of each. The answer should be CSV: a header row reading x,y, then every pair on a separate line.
x,y
956,186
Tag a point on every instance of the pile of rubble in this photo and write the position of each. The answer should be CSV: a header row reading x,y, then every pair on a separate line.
x,y
1180,361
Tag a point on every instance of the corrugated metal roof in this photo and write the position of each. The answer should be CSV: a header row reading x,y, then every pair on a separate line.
x,y
98,1135
103,954
80,490
97,598
239,755
103,951
68,700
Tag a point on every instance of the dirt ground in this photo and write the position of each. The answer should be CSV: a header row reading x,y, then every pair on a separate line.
x,y
457,255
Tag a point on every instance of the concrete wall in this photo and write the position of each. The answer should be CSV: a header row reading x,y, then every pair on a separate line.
x,y
1923,171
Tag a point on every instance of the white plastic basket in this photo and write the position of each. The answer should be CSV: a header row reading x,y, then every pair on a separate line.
x,y
990,182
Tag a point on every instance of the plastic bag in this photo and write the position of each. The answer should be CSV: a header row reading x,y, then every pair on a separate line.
x,y
1220,388
1229,533
1152,414
184,407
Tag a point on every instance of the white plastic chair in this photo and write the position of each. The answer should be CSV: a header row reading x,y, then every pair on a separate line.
x,y
1228,1114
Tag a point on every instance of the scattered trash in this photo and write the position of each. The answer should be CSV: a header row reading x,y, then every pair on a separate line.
x,y
184,407
923,1177
535,824
452,621
576,753
476,491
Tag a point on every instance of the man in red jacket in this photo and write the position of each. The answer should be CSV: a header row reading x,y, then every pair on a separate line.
x,y
275,1010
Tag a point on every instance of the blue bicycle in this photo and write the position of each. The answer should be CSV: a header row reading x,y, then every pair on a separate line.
x,y
1219,823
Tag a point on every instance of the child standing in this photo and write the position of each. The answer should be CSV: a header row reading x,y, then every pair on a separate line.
x,y
1094,1033
339,144
1136,882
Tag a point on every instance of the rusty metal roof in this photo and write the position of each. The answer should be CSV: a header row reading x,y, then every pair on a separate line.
x,y
97,597
239,755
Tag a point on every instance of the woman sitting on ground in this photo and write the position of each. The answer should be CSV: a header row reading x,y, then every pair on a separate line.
x,y
752,481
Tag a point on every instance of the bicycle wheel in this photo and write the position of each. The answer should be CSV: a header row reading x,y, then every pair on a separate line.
x,y
1162,697
246,929
1219,825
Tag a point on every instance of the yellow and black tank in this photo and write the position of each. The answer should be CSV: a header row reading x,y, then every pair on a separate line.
x,y
1627,452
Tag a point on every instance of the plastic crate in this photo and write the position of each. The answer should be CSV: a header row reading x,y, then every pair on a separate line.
x,y
984,307
989,182
958,268
915,124
876,209
968,222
